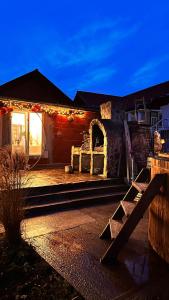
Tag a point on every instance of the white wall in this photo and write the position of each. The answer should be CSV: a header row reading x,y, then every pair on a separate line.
x,y
165,115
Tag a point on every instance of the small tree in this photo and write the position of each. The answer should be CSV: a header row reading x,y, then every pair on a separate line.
x,y
13,166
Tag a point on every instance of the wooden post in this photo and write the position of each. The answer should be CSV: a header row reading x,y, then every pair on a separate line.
x,y
128,150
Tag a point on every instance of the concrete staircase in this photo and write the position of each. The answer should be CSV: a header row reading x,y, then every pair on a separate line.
x,y
46,199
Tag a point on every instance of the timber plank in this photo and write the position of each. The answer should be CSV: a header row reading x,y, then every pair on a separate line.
x,y
115,227
128,207
137,213
140,186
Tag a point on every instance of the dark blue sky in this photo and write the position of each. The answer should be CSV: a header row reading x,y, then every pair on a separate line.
x,y
106,46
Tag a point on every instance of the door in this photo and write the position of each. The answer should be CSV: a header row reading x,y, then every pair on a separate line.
x,y
18,132
26,132
35,134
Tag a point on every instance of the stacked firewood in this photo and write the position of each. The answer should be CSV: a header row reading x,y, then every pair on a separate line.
x,y
85,141
98,148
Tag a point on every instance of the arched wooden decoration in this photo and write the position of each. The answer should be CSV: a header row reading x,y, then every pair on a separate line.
x,y
103,154
98,146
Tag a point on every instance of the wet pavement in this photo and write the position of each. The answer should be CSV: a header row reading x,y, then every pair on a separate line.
x,y
69,242
47,177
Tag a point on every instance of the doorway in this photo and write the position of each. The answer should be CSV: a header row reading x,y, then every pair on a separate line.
x,y
26,133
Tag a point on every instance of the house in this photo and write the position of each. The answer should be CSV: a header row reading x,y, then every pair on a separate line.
x,y
165,116
144,106
142,111
93,100
39,119
34,87
163,126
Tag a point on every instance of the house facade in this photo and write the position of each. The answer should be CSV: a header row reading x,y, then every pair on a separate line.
x,y
39,120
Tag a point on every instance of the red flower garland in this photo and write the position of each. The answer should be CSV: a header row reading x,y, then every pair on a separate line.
x,y
36,108
5,110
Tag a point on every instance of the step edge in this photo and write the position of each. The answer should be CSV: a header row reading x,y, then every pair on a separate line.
x,y
75,191
72,201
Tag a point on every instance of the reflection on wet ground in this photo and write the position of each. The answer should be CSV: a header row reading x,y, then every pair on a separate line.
x,y
57,176
139,268
69,241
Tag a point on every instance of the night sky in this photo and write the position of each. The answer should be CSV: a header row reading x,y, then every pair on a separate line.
x,y
104,46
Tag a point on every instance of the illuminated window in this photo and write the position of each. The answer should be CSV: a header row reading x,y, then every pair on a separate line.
x,y
18,132
35,134
26,133
141,116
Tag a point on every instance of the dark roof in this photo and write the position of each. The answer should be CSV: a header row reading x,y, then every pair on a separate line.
x,y
34,87
160,101
92,100
152,95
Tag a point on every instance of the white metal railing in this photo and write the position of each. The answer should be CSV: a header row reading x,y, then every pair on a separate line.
x,y
165,124
156,126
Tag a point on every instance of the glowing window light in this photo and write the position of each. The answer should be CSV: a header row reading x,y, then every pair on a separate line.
x,y
35,134
18,119
18,132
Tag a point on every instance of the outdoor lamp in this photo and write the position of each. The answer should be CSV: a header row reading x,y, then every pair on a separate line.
x,y
162,141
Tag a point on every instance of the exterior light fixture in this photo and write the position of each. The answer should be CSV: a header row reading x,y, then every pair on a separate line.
x,y
162,141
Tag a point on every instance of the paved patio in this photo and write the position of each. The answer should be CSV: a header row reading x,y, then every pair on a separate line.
x,y
69,242
47,177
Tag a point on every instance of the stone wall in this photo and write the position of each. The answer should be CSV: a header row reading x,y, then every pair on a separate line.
x,y
140,142
112,111
112,115
115,150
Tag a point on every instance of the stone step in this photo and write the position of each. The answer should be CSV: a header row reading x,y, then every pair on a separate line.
x,y
74,194
40,190
33,210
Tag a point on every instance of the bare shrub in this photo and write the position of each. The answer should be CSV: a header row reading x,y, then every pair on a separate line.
x,y
13,169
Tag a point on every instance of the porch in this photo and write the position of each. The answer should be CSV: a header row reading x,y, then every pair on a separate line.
x,y
56,176
50,190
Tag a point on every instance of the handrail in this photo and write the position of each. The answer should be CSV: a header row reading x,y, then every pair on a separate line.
x,y
156,125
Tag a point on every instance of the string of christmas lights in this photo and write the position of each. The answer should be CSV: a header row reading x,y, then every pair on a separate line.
x,y
8,106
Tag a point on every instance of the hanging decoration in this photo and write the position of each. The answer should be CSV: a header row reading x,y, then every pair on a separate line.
x,y
8,106
4,109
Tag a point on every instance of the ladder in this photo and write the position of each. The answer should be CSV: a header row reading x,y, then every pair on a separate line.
x,y
140,105
129,212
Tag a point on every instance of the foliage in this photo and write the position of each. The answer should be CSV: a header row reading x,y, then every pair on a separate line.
x,y
13,169
25,275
